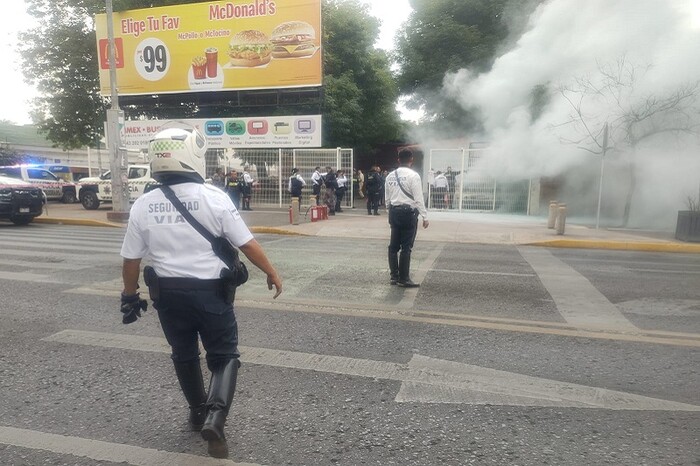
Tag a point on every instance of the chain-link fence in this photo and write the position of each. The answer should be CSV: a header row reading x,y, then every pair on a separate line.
x,y
456,182
271,169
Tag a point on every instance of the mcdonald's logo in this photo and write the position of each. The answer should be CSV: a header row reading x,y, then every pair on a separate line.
x,y
104,53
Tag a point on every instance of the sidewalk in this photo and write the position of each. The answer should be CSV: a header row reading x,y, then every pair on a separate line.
x,y
483,228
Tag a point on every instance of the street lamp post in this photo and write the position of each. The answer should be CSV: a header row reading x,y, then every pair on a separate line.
x,y
115,119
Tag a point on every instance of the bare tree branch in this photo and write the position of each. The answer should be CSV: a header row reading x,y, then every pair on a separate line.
x,y
613,96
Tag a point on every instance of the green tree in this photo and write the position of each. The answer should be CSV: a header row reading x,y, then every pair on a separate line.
x,y
443,36
11,157
360,91
60,58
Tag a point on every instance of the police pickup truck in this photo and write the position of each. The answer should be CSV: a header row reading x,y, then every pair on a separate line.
x,y
95,190
20,201
54,187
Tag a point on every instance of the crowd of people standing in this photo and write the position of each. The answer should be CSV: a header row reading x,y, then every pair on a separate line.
x,y
239,187
329,187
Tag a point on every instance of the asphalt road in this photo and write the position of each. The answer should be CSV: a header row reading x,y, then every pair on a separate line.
x,y
505,355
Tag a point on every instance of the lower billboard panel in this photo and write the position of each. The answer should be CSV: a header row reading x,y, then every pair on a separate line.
x,y
223,133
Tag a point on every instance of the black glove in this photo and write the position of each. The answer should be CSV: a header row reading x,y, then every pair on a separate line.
x,y
132,306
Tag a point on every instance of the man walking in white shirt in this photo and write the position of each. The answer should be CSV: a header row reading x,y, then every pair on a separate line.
x,y
403,195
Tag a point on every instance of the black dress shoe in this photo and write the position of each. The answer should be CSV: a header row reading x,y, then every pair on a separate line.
x,y
408,283
393,281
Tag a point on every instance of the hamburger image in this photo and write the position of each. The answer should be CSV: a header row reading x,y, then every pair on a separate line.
x,y
249,48
293,39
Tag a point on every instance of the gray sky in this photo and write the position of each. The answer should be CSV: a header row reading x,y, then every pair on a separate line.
x,y
14,93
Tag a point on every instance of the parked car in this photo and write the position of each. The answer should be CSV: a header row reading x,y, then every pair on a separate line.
x,y
20,202
95,190
54,188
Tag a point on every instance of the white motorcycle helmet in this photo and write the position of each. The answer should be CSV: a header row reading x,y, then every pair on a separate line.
x,y
177,151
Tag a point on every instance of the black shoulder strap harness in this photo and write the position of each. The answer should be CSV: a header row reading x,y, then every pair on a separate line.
x,y
238,272
185,213
408,195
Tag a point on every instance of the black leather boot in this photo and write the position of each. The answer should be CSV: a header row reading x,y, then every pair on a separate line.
x,y
404,269
221,390
393,268
189,374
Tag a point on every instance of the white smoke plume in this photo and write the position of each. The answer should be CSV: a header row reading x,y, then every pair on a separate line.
x,y
573,39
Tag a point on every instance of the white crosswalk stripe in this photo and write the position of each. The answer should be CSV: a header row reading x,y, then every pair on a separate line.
x,y
104,451
49,253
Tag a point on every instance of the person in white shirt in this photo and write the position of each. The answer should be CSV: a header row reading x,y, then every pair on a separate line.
x,y
247,188
361,183
187,279
342,181
295,185
403,196
440,191
316,182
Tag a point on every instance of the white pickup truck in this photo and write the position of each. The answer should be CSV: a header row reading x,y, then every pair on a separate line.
x,y
54,187
95,190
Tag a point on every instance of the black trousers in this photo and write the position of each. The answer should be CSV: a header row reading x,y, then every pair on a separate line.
x,y
372,202
236,198
190,314
404,225
339,195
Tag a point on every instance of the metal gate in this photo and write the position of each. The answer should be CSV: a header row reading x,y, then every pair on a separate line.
x,y
470,188
271,169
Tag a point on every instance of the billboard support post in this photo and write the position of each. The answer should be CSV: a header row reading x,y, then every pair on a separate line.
x,y
115,119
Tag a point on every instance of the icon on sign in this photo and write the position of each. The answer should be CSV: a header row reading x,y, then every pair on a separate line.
x,y
104,53
281,128
257,127
214,128
235,127
304,126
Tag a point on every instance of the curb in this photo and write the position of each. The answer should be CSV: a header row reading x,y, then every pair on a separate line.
x,y
276,231
77,221
100,223
620,245
558,243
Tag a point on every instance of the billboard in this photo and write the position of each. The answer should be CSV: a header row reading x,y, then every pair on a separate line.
x,y
213,46
223,133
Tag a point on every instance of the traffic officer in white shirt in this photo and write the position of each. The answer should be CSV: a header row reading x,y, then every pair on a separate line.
x,y
316,182
187,290
403,195
340,191
247,188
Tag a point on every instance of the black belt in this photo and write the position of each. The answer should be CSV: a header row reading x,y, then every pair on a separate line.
x,y
180,283
402,207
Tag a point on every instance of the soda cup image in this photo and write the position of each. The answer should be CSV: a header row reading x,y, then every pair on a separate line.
x,y
212,54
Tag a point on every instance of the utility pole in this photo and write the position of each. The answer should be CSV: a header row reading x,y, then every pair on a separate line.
x,y
115,121
602,167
